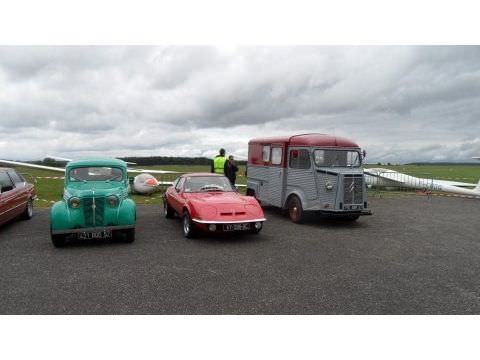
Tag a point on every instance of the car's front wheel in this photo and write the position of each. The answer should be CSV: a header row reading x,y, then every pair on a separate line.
x,y
295,209
58,240
129,235
28,213
188,226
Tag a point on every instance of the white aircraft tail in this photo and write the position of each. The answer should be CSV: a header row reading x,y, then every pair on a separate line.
x,y
477,188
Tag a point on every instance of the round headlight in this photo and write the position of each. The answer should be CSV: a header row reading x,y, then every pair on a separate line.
x,y
329,186
112,200
74,202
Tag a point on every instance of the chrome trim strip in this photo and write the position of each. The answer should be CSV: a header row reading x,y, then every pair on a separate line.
x,y
228,222
13,208
100,228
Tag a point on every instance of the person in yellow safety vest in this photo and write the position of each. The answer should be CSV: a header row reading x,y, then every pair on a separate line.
x,y
219,163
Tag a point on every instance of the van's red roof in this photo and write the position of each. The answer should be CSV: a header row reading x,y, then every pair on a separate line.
x,y
307,140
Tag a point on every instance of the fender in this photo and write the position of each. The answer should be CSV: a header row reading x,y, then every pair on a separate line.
x,y
254,185
300,195
127,213
59,216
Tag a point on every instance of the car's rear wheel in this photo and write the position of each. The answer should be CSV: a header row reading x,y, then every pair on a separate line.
x,y
168,211
58,240
129,235
295,209
28,213
188,226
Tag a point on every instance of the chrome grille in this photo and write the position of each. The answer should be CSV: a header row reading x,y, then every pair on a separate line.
x,y
353,189
94,214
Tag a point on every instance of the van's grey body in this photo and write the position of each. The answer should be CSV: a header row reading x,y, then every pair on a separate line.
x,y
332,190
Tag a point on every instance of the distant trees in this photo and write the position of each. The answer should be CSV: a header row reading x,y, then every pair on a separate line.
x,y
144,161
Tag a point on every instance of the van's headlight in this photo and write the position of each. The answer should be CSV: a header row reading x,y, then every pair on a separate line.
x,y
328,185
112,200
74,202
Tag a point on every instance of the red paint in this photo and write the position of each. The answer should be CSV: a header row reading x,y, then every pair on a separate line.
x,y
213,206
255,146
14,202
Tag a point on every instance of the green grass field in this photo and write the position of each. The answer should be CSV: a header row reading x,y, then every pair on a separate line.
x,y
51,190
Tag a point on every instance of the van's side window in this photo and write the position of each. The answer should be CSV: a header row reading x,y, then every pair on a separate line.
x,y
300,159
266,153
276,155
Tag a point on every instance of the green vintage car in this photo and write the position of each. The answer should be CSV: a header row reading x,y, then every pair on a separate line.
x,y
96,203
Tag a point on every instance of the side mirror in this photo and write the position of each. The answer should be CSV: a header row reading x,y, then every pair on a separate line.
x,y
364,153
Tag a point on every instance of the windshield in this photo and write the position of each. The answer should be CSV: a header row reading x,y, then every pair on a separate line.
x,y
337,158
96,173
207,183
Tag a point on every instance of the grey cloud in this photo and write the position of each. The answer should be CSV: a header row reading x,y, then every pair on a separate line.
x,y
401,103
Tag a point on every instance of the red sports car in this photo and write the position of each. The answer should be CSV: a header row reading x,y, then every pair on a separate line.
x,y
208,202
16,196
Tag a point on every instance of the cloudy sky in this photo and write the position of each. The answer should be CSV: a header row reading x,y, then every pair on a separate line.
x,y
399,103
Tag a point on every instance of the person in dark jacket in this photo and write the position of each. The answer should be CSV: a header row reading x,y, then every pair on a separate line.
x,y
231,170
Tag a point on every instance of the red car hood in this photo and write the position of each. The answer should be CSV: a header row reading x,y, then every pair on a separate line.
x,y
224,206
218,197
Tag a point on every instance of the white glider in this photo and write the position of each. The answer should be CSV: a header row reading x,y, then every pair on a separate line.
x,y
389,178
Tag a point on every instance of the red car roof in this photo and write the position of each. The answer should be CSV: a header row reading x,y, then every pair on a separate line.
x,y
307,140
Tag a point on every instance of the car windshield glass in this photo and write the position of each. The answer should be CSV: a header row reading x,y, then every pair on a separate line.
x,y
336,158
207,183
96,173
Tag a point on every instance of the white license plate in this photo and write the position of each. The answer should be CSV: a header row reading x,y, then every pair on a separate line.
x,y
104,234
236,227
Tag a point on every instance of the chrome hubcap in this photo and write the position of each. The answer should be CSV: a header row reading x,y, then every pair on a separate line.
x,y
30,208
186,225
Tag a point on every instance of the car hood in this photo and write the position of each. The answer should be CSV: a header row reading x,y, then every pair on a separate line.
x,y
216,197
224,206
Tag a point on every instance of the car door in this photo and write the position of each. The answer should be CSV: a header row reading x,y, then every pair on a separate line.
x,y
21,191
300,173
176,198
8,200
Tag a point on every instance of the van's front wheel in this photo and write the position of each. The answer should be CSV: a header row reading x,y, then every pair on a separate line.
x,y
295,209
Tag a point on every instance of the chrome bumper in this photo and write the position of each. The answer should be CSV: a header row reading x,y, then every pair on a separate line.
x,y
93,229
228,222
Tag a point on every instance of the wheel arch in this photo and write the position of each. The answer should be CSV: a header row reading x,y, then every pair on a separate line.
x,y
295,192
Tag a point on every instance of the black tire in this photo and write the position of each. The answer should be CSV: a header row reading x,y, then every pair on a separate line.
x,y
256,231
28,213
187,226
168,211
129,235
295,209
58,240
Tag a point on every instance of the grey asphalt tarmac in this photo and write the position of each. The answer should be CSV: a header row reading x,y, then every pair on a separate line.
x,y
413,256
